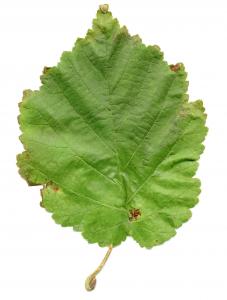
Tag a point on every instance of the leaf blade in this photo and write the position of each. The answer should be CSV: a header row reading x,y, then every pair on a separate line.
x,y
113,139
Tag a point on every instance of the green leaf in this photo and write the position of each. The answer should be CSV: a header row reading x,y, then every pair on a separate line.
x,y
112,138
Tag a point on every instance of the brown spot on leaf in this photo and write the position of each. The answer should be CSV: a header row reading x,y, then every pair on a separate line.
x,y
53,186
46,69
134,214
45,72
175,67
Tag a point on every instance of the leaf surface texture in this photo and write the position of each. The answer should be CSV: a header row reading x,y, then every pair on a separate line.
x,y
113,139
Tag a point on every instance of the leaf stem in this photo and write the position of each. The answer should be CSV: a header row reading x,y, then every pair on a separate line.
x,y
90,282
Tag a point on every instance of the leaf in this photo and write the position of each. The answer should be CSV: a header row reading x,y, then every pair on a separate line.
x,y
112,138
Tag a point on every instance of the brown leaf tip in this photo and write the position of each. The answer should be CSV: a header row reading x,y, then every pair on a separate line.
x,y
134,214
104,8
175,67
46,69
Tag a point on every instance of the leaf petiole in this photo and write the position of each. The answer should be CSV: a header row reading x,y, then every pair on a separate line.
x,y
90,282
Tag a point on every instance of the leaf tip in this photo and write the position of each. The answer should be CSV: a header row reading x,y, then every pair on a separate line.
x,y
104,8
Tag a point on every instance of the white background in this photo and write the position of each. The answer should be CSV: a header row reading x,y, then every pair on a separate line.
x,y
41,260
